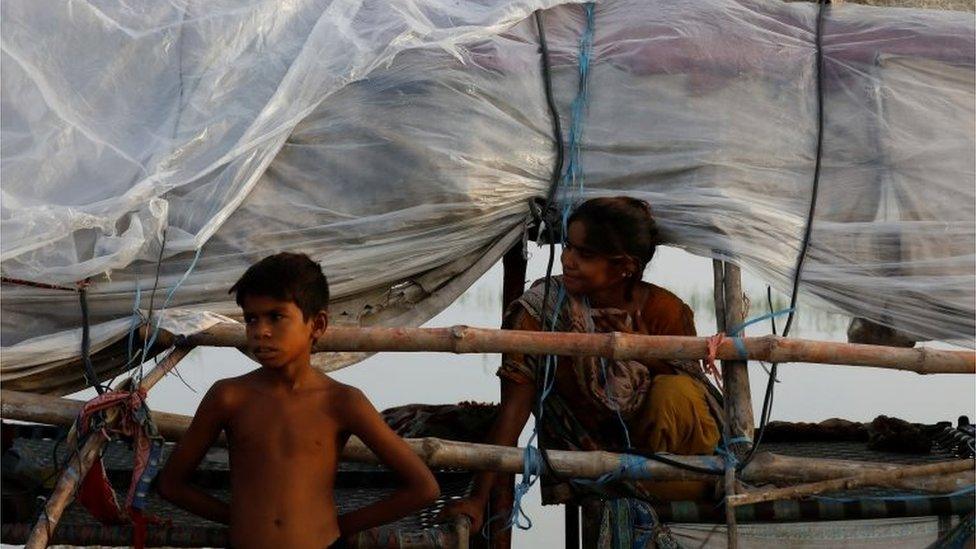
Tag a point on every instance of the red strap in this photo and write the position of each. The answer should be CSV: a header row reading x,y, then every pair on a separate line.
x,y
710,368
97,495
95,492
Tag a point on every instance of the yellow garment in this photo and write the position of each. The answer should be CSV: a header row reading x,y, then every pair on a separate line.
x,y
676,419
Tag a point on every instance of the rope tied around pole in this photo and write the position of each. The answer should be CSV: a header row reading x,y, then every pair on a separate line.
x,y
630,467
535,458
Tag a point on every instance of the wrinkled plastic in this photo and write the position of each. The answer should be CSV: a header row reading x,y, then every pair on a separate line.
x,y
392,142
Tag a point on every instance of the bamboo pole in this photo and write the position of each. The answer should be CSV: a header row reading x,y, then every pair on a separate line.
x,y
765,468
616,345
501,495
735,373
731,528
70,478
735,382
52,410
872,478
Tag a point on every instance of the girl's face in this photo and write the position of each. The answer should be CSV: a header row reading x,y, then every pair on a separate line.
x,y
586,269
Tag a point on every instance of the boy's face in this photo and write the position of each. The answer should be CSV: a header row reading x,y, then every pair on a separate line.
x,y
277,332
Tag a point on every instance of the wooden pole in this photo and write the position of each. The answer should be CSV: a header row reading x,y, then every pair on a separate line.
x,y
53,410
765,468
718,285
572,525
728,312
871,478
731,527
501,497
735,373
76,469
616,345
462,525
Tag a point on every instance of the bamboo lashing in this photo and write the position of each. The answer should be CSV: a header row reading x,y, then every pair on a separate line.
x,y
764,468
76,469
871,478
616,345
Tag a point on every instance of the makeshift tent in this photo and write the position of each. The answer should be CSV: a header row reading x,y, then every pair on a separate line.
x,y
401,145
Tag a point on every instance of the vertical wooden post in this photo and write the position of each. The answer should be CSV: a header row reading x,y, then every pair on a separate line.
x,y
729,313
718,277
502,495
572,526
591,517
71,477
735,373
514,267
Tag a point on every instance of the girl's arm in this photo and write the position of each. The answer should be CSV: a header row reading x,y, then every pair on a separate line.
x,y
513,412
517,399
174,480
418,488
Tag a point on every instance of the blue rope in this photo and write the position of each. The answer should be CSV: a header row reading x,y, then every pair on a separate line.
x,y
736,330
573,180
549,367
630,467
725,450
169,297
531,470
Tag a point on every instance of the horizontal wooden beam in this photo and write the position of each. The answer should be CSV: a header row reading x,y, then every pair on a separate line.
x,y
464,339
869,478
765,468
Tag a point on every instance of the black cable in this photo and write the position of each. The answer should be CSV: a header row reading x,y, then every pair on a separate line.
x,y
769,303
152,298
557,130
808,230
550,200
89,368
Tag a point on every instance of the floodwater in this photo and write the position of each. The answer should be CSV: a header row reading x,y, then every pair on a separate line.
x,y
805,392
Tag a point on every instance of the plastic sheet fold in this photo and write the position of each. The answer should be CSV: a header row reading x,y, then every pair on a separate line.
x,y
399,144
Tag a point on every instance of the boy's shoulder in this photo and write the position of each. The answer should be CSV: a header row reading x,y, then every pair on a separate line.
x,y
230,390
344,394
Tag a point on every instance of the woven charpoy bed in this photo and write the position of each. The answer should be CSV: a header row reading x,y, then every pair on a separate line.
x,y
356,486
884,440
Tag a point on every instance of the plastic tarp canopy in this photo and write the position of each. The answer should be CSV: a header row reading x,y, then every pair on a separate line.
x,y
400,145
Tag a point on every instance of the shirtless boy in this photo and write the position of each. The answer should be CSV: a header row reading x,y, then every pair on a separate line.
x,y
286,424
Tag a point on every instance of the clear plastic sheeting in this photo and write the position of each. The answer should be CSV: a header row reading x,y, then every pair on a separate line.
x,y
401,144
709,111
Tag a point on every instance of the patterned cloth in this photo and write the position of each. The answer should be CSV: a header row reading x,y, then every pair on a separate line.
x,y
95,492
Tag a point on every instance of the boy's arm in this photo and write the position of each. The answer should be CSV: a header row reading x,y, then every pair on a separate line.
x,y
174,481
418,488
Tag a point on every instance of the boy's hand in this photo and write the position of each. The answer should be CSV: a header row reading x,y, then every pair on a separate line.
x,y
473,508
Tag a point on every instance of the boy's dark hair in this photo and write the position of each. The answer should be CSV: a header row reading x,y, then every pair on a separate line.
x,y
289,277
620,225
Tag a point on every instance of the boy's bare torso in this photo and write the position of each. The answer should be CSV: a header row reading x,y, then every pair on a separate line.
x,y
284,447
